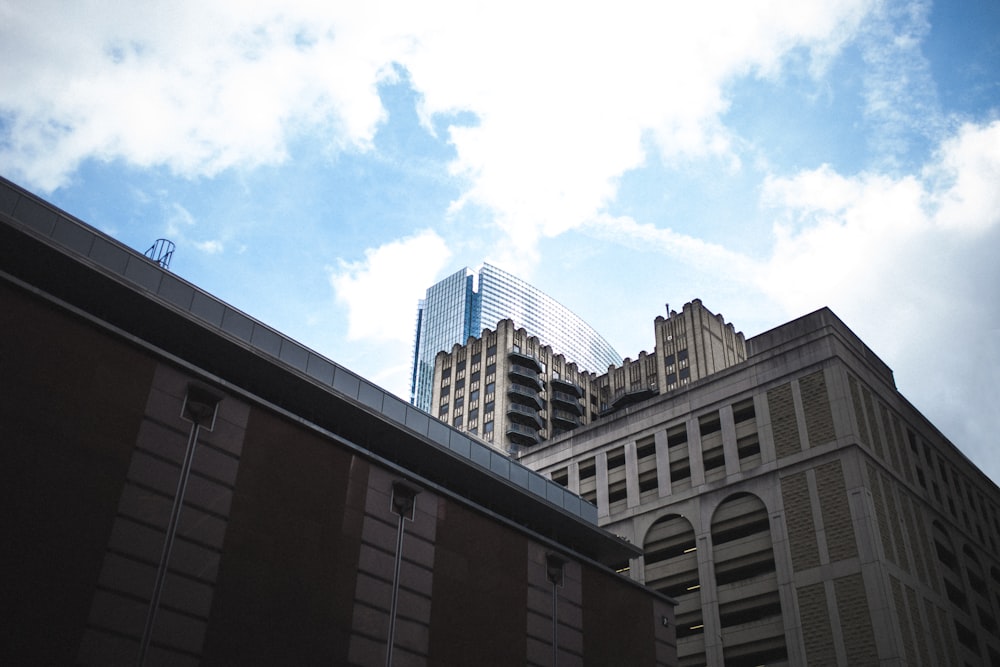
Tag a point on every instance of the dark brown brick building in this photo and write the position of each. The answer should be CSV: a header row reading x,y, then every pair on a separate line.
x,y
184,485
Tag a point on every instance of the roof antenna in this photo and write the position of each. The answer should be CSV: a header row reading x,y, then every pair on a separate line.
x,y
161,252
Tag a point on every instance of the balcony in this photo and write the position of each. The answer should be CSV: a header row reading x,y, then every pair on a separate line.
x,y
525,360
565,420
625,397
565,386
524,414
524,375
564,400
522,435
525,396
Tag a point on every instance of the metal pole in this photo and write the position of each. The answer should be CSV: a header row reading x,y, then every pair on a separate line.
x,y
403,503
395,590
168,543
555,625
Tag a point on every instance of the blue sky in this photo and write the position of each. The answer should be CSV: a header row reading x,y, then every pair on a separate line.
x,y
319,166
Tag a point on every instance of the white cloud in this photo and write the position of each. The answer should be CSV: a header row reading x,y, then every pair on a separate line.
x,y
901,100
197,87
967,197
178,219
693,252
564,95
847,238
210,247
564,112
180,224
381,292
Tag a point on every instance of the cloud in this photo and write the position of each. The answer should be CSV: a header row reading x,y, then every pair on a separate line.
x,y
900,95
195,87
210,247
570,109
178,219
566,98
844,238
693,252
381,292
965,178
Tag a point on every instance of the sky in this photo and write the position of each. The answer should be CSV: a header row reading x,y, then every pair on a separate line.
x,y
320,164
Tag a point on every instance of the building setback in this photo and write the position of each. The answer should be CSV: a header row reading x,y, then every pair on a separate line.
x,y
466,302
800,510
187,486
513,391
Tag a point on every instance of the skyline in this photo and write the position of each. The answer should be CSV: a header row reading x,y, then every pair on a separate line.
x,y
320,167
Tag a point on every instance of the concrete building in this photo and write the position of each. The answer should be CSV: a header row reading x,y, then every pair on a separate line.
x,y
512,390
463,304
800,510
184,485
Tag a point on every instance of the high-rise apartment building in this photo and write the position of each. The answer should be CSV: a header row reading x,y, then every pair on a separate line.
x,y
799,509
466,302
514,391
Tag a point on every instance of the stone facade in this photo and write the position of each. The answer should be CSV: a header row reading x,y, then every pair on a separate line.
x,y
512,391
800,510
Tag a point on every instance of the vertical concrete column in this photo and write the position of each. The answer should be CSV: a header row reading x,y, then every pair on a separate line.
x,y
573,472
662,463
694,453
794,640
800,415
712,632
729,440
765,432
601,466
631,475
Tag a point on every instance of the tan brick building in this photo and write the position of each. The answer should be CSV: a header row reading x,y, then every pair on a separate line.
x,y
800,510
513,392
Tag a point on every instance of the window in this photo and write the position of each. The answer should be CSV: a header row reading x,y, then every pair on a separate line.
x,y
491,387
457,423
488,427
473,396
473,414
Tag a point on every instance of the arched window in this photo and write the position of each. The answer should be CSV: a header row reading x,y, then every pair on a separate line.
x,y
747,586
671,564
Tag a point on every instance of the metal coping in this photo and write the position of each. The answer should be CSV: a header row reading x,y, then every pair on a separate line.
x,y
76,237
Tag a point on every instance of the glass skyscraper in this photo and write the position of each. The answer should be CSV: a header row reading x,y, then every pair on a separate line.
x,y
465,302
